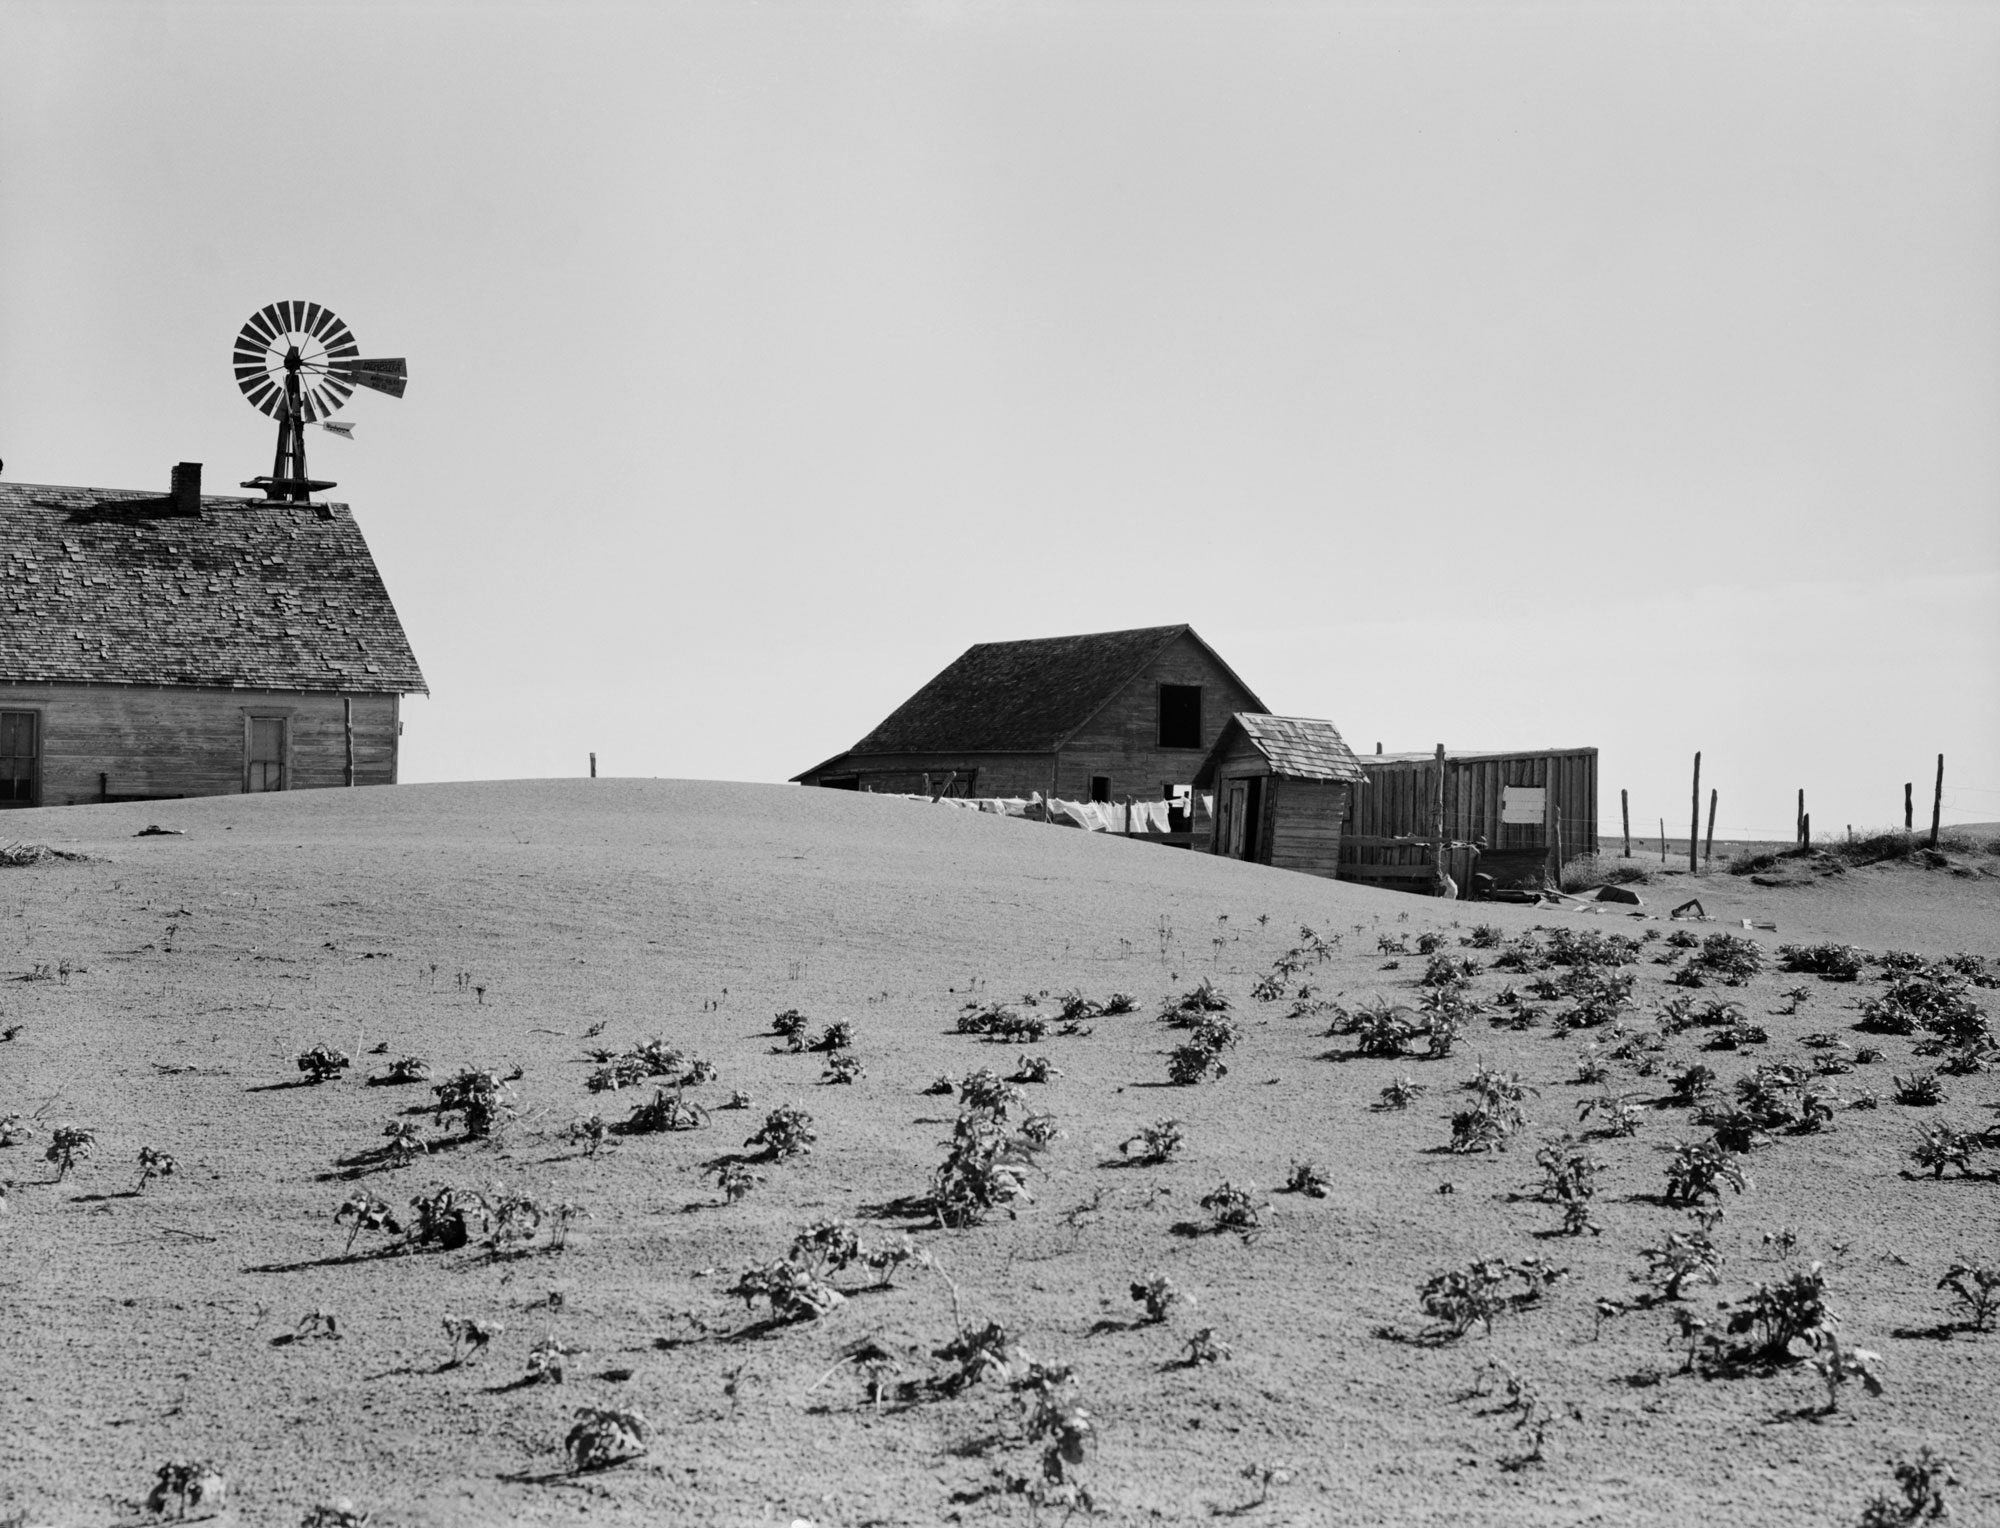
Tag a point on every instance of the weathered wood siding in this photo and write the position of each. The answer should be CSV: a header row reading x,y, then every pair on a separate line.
x,y
1305,824
979,774
137,740
1397,803
1240,763
1122,741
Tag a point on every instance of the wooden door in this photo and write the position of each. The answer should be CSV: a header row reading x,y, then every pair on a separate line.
x,y
19,753
1233,801
266,770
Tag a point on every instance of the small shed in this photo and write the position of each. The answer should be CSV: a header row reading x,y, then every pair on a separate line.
x,y
1281,788
1527,812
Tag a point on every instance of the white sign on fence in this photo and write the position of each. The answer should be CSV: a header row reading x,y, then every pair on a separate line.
x,y
1524,803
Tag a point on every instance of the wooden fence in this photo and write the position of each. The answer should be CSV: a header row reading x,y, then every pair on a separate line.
x,y
1533,810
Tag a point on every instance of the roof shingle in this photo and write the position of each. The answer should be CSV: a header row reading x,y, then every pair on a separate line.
x,y
1298,747
111,586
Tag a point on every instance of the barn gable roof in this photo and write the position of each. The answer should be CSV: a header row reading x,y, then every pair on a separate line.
x,y
1022,697
110,586
1297,747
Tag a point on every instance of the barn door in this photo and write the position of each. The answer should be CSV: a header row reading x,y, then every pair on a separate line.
x,y
266,769
18,754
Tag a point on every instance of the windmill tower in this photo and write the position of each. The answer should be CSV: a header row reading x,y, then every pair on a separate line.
x,y
298,363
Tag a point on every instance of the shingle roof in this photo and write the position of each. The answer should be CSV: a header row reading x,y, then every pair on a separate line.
x,y
1020,697
109,586
1298,747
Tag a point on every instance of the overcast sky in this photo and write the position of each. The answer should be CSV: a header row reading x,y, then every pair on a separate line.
x,y
1495,375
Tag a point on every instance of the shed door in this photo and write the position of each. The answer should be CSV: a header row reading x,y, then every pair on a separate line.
x,y
267,754
1232,818
18,753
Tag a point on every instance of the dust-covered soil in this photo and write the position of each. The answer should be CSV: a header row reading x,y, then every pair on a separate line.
x,y
162,988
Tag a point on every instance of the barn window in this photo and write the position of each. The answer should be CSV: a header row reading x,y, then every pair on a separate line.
x,y
17,758
266,767
1180,716
1100,787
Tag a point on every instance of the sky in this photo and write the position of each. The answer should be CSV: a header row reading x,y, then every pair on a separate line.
x,y
1499,375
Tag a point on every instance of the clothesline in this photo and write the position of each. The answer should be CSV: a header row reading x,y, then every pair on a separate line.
x,y
1092,816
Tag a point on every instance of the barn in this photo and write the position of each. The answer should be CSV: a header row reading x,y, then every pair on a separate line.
x,y
156,646
1514,817
1102,716
1281,787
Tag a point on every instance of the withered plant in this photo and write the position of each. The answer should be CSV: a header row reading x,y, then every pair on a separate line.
x,y
604,1436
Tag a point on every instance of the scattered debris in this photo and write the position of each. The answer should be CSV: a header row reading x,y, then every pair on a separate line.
x,y
15,856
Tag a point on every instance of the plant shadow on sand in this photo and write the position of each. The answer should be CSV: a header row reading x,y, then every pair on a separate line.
x,y
339,1260
575,1480
911,1209
378,1159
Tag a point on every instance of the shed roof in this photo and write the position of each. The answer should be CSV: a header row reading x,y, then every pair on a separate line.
x,y
1022,697
113,586
1453,755
1297,747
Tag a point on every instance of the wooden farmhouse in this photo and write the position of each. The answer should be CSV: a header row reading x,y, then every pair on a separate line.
x,y
1282,786
184,645
1099,717
1513,817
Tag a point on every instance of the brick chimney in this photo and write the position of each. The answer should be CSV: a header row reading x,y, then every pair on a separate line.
x,y
186,492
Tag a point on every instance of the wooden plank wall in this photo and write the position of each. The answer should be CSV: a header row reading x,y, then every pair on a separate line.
x,y
1396,802
1122,742
1305,819
992,774
188,741
1240,763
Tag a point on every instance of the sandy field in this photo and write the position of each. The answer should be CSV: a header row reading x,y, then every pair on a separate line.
x,y
160,989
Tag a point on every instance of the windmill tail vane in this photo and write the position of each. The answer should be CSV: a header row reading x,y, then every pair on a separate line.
x,y
298,363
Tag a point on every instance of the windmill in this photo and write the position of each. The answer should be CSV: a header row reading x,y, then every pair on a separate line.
x,y
298,363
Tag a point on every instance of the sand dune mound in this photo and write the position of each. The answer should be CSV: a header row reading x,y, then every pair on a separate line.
x,y
339,1292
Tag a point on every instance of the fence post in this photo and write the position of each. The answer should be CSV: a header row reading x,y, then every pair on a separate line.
x,y
1799,834
1937,802
1909,806
1437,827
1625,815
1708,849
593,766
1694,820
1663,840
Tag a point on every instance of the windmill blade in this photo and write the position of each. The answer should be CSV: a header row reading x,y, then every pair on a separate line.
x,y
384,376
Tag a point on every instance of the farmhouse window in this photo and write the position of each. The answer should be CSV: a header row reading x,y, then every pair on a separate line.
x,y
266,768
1100,787
17,758
1180,716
